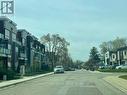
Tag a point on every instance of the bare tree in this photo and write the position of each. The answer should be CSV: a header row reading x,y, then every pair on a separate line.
x,y
113,45
57,46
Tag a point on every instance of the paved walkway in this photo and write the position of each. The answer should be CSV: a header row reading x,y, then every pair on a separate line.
x,y
12,82
117,82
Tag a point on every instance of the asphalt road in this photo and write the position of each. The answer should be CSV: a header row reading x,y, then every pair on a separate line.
x,y
70,83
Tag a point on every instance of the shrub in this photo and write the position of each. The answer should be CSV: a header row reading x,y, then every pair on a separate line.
x,y
112,70
10,74
2,72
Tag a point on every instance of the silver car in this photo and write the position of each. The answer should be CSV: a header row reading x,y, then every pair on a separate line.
x,y
58,69
122,66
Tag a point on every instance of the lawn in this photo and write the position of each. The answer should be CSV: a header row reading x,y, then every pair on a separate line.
x,y
123,77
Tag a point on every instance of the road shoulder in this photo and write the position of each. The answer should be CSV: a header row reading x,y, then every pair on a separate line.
x,y
117,82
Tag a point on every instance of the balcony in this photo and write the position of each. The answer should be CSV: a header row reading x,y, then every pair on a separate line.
x,y
1,36
22,55
19,43
5,52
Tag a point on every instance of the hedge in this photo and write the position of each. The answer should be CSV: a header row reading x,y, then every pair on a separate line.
x,y
10,74
112,70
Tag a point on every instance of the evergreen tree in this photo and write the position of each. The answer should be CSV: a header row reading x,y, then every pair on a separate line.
x,y
93,59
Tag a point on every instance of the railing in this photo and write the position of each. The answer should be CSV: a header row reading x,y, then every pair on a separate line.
x,y
1,36
18,42
22,55
5,51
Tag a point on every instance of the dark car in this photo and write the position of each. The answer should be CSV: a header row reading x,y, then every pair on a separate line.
x,y
70,69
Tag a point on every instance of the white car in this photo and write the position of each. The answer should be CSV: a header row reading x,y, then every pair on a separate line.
x,y
58,69
122,66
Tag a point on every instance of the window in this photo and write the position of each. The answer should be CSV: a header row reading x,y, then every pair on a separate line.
x,y
125,53
16,49
113,56
7,34
9,46
13,37
23,41
1,36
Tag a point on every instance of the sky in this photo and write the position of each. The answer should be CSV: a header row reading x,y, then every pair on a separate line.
x,y
83,23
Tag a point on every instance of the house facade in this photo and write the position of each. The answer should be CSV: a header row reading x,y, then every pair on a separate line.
x,y
113,57
22,54
19,50
110,58
8,44
117,57
122,55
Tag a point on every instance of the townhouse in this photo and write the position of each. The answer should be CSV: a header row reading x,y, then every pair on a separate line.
x,y
35,53
22,53
19,50
122,55
8,44
107,57
117,57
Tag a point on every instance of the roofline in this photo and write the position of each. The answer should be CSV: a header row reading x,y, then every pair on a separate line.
x,y
4,18
25,31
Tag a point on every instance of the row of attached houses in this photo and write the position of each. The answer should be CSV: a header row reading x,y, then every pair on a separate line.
x,y
117,57
19,49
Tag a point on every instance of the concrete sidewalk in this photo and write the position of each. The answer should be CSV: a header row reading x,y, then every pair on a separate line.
x,y
12,82
117,82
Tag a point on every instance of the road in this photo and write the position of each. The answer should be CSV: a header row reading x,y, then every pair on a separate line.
x,y
79,82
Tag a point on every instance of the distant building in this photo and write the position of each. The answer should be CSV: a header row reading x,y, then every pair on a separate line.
x,y
113,57
122,55
107,58
110,58
117,57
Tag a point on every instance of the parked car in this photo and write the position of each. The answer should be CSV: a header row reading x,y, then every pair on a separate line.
x,y
70,69
101,67
114,66
58,69
122,66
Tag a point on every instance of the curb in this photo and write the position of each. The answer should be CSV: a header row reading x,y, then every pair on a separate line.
x,y
14,82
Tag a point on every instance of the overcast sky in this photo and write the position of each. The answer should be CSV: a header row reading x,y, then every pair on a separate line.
x,y
84,23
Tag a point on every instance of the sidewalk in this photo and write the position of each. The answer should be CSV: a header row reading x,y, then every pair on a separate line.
x,y
100,72
12,82
117,82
